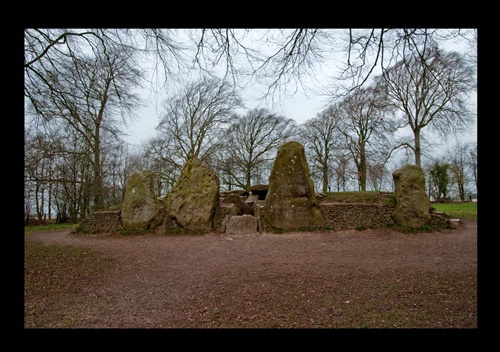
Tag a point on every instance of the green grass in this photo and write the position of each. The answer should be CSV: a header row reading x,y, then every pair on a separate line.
x,y
49,227
466,210
357,197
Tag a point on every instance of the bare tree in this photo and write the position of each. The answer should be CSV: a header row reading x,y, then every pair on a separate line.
x,y
88,93
160,156
281,59
366,115
431,90
79,79
342,171
193,118
250,142
284,60
114,154
370,51
38,169
73,177
321,137
67,181
473,162
459,160
377,176
46,48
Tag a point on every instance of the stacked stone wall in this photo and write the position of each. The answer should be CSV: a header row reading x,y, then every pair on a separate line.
x,y
220,213
101,222
339,216
224,211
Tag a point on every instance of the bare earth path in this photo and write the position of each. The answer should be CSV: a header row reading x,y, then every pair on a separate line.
x,y
370,278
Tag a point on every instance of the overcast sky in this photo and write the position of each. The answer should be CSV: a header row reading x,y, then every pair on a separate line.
x,y
300,106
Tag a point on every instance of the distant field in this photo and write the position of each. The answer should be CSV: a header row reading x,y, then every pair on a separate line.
x,y
466,211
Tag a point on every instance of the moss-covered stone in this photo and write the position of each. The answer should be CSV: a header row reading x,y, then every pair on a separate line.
x,y
291,202
193,200
141,210
412,202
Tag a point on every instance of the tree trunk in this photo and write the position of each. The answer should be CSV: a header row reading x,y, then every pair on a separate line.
x,y
97,185
325,177
362,167
417,148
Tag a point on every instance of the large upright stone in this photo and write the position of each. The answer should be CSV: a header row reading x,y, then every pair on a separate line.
x,y
141,209
192,202
290,202
412,202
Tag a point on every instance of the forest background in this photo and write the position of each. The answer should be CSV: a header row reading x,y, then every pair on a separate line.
x,y
103,103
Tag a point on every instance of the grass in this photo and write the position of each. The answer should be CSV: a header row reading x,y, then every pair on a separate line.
x,y
49,227
466,210
370,197
458,210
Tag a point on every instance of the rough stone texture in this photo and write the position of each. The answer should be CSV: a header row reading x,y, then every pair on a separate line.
x,y
258,213
290,202
260,190
412,202
341,216
251,199
240,204
225,194
244,224
100,222
141,209
441,219
223,213
193,201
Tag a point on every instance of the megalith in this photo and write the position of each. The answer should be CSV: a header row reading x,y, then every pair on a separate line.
x,y
141,209
412,202
193,200
290,202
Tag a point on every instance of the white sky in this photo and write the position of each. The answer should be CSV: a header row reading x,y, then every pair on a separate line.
x,y
299,107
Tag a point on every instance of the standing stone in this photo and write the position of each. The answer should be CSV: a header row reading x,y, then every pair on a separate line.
x,y
290,202
193,201
412,202
141,209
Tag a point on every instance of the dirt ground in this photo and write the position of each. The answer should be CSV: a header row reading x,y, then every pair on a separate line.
x,y
375,278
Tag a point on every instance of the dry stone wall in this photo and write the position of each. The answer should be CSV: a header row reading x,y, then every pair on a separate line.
x,y
341,216
338,216
290,204
101,222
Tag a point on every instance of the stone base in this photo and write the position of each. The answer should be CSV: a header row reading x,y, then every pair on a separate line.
x,y
244,224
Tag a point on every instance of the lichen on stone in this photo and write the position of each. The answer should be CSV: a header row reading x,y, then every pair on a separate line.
x,y
291,202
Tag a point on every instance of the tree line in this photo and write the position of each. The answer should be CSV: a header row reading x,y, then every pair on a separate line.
x,y
81,90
